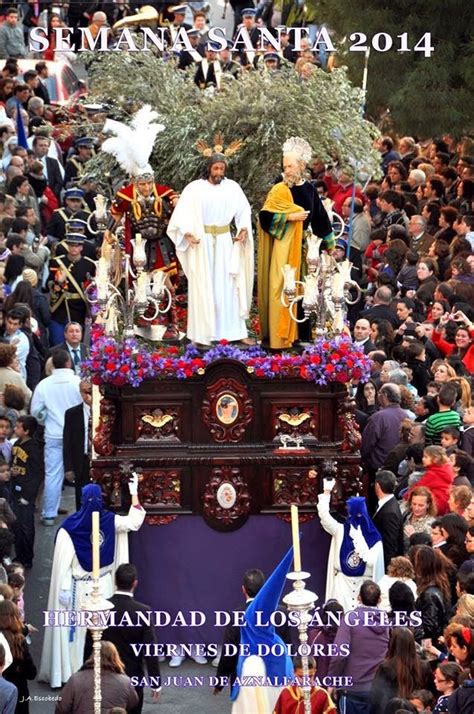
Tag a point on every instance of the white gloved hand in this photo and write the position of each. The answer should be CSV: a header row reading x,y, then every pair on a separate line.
x,y
328,484
64,598
133,485
360,546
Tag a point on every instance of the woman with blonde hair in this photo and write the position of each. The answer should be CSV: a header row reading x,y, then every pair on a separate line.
x,y
419,515
399,569
466,398
116,687
465,607
442,371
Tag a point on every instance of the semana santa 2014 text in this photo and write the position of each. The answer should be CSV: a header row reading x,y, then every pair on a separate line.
x,y
156,39
197,618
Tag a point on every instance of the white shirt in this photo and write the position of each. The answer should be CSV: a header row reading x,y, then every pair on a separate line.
x,y
383,501
86,411
52,397
71,350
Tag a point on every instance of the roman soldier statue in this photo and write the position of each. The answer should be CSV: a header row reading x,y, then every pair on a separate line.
x,y
145,205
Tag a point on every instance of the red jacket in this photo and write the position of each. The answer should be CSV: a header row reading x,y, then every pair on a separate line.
x,y
338,193
447,348
439,480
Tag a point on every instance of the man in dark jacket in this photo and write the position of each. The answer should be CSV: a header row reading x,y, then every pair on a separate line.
x,y
126,580
388,518
27,473
382,432
367,648
76,441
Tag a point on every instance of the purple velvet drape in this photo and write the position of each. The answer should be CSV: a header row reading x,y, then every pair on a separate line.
x,y
186,565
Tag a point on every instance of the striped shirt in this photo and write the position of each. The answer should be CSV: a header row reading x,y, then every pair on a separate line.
x,y
439,421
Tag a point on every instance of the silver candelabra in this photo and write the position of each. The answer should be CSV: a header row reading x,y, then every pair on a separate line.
x,y
302,601
140,299
324,292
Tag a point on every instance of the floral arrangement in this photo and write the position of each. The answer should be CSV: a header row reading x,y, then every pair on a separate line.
x,y
129,362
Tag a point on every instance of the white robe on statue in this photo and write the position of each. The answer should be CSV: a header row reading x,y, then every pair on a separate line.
x,y
63,647
220,273
341,587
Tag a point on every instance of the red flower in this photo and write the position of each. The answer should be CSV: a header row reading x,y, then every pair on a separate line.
x,y
109,350
111,366
342,377
315,359
350,363
124,369
357,373
224,342
259,372
198,362
335,357
188,372
173,350
330,368
303,372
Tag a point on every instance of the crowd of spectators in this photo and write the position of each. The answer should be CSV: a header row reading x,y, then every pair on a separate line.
x,y
410,237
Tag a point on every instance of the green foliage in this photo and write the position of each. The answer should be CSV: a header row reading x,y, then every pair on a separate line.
x,y
426,96
262,110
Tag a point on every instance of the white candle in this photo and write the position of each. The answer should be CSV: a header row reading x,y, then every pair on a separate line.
x,y
158,281
338,285
102,277
296,538
95,545
139,254
338,323
289,278
141,285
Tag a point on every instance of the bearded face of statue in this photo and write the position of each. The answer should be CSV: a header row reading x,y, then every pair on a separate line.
x,y
292,170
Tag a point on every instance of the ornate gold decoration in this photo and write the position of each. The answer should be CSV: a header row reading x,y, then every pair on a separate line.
x,y
294,419
203,147
157,421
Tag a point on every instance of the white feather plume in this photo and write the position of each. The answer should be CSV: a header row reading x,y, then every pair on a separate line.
x,y
132,144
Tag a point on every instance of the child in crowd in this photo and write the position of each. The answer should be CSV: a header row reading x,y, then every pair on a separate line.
x,y
27,475
5,443
445,416
5,491
450,438
17,583
407,278
422,699
291,699
438,476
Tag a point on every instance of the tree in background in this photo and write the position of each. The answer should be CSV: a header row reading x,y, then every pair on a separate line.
x,y
262,109
425,95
